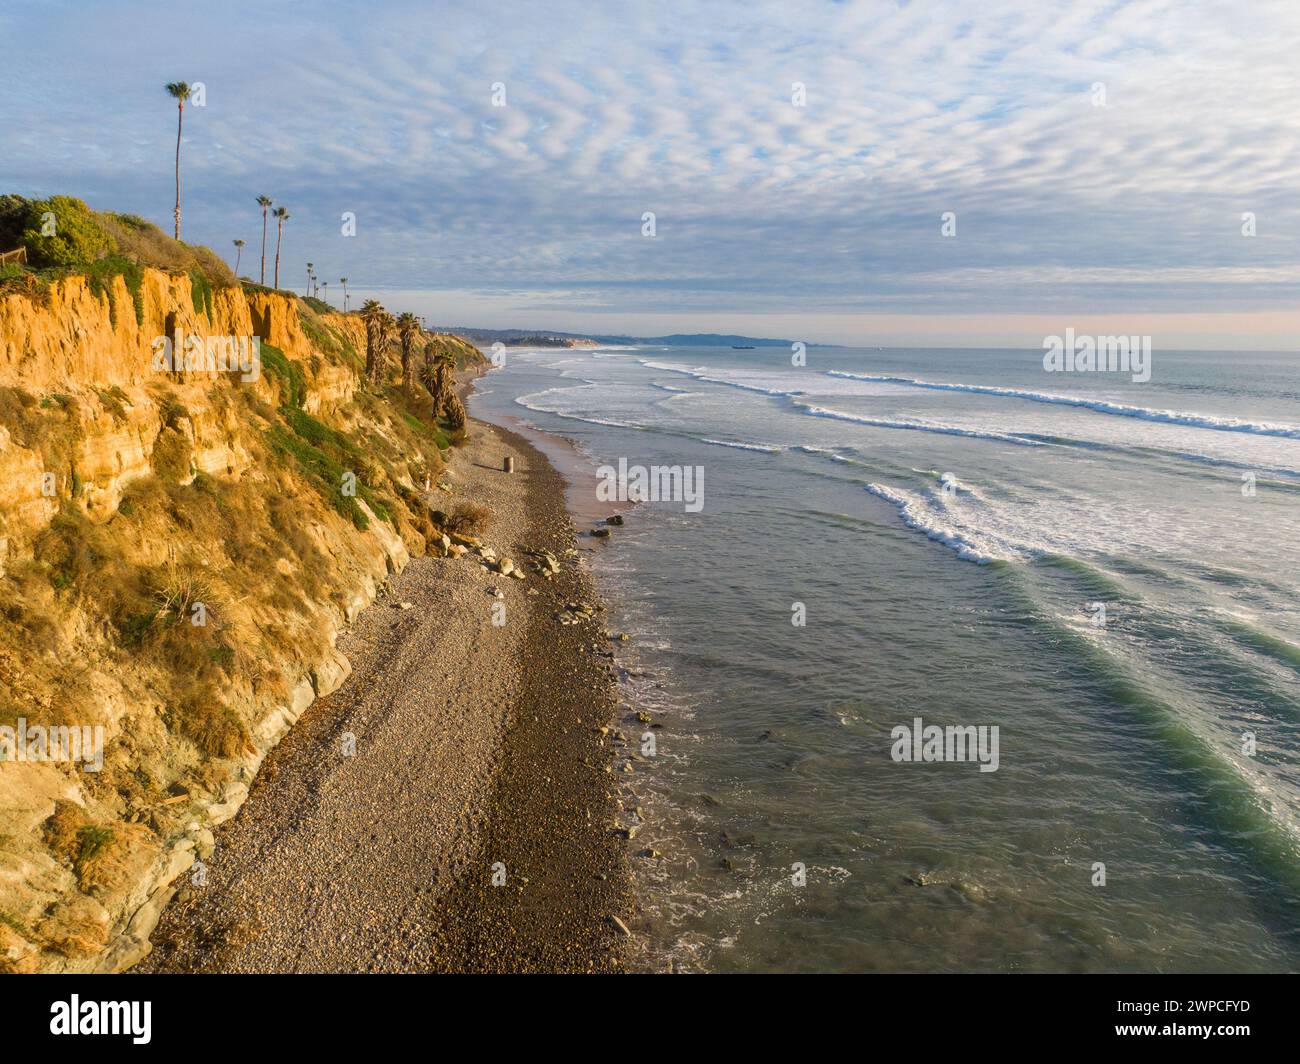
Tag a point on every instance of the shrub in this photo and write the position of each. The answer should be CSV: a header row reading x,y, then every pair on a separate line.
x,y
467,517
78,239
90,841
70,549
180,594
13,220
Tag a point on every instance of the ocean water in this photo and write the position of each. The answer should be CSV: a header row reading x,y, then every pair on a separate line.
x,y
1105,571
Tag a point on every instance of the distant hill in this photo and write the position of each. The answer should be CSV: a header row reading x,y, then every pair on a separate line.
x,y
531,337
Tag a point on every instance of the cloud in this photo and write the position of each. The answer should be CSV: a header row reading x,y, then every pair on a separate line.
x,y
686,110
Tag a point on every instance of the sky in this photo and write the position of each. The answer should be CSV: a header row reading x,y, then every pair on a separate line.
x,y
1095,159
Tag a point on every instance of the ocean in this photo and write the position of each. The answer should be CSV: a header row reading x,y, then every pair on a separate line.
x,y
1102,570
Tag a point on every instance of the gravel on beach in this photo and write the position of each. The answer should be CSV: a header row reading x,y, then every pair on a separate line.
x,y
452,806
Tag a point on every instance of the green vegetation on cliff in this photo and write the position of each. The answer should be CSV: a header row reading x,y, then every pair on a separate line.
x,y
63,236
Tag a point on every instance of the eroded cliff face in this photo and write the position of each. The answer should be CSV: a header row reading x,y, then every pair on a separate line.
x,y
178,553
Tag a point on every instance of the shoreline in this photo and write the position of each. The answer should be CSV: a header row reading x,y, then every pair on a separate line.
x,y
568,460
476,826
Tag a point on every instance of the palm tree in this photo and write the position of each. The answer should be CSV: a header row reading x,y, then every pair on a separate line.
x,y
375,318
439,378
433,376
344,282
387,327
455,413
311,275
326,294
264,202
180,92
239,254
408,328
281,216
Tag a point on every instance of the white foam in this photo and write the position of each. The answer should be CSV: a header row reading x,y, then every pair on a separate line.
x,y
523,400
910,509
1101,406
918,425
700,374
766,448
914,424
829,452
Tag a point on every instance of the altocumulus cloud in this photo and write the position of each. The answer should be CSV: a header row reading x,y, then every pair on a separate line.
x,y
685,110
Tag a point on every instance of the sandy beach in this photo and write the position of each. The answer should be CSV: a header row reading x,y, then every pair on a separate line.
x,y
452,807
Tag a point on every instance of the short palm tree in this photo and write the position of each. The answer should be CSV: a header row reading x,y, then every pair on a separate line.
x,y
433,376
265,203
408,328
239,254
375,317
439,378
180,92
281,216
387,330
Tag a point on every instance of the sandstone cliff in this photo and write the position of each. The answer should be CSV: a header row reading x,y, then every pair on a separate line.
x,y
178,552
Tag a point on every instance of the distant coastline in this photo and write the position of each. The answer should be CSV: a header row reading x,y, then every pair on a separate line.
x,y
544,338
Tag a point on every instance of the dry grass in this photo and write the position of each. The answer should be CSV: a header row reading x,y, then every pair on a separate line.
x,y
145,243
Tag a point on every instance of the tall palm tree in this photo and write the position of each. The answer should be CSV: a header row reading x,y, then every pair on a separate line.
x,y
311,275
180,92
281,216
344,282
325,295
408,328
239,254
265,203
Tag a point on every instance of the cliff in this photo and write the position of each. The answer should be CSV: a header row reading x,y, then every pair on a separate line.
x,y
180,546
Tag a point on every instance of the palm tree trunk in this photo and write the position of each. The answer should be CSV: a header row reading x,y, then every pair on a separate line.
x,y
279,234
239,254
180,117
263,278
